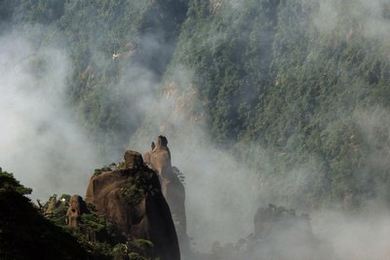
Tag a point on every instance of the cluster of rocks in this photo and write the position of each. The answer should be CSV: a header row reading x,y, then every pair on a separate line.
x,y
143,197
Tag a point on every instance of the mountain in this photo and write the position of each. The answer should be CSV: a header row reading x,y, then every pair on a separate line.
x,y
265,72
291,96
271,73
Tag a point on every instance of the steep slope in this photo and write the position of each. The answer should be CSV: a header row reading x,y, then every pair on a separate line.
x,y
272,74
119,50
26,234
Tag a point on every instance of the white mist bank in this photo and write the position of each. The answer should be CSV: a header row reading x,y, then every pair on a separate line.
x,y
360,236
40,141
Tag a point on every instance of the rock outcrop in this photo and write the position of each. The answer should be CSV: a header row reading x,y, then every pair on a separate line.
x,y
131,198
77,207
159,159
279,233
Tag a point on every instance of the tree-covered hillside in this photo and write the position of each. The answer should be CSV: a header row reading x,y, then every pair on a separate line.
x,y
114,47
308,81
271,74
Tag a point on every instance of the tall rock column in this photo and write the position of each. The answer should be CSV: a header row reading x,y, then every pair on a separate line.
x,y
159,159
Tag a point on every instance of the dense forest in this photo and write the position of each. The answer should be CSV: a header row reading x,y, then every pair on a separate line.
x,y
269,75
307,81
266,72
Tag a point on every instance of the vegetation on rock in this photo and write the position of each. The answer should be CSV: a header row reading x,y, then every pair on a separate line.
x,y
27,232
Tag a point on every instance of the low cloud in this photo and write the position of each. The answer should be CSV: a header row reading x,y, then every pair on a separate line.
x,y
41,142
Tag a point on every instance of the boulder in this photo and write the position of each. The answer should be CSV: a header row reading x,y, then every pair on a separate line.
x,y
131,198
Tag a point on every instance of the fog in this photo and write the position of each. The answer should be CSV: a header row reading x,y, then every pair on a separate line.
x,y
40,139
224,190
352,236
48,149
367,16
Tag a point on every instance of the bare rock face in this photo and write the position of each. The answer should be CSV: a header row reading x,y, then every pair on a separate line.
x,y
132,199
159,159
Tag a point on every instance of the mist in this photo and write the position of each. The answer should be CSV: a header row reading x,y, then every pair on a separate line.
x,y
224,190
355,236
41,141
363,16
48,149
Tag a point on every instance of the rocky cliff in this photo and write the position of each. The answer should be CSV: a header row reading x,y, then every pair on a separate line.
x,y
131,198
159,159
125,215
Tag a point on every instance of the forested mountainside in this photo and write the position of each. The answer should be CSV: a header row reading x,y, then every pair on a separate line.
x,y
303,82
308,81
93,32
